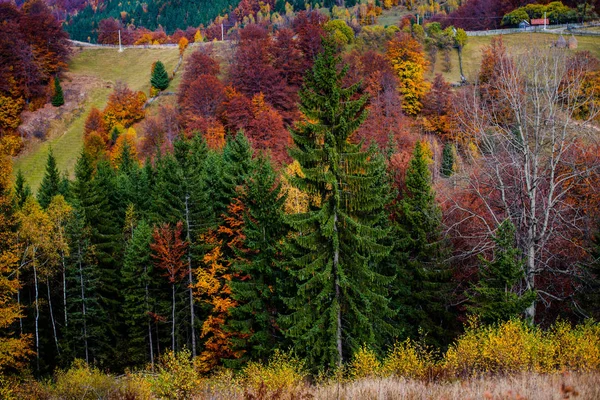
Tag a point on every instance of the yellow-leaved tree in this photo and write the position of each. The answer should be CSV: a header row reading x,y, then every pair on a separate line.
x,y
14,348
408,61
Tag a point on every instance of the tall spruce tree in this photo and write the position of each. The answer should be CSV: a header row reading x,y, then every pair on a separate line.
x,y
257,276
137,277
160,77
181,197
497,297
335,246
94,195
86,333
22,189
420,254
51,182
58,98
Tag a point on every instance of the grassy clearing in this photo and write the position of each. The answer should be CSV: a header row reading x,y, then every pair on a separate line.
x,y
66,146
106,66
519,41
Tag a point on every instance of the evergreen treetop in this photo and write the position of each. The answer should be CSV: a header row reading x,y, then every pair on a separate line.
x,y
58,98
160,77
51,183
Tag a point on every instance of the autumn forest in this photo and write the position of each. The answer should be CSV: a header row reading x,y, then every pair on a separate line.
x,y
306,198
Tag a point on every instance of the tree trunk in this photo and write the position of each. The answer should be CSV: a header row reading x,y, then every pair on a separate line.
x,y
530,277
52,316
173,319
37,317
64,279
149,321
83,311
19,304
190,277
460,64
336,260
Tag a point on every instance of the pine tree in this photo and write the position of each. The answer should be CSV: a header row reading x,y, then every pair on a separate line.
x,y
51,183
86,331
496,297
447,168
334,246
181,197
136,276
95,202
58,97
22,189
420,252
160,77
256,287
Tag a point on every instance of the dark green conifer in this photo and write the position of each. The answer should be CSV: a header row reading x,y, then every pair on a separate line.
x,y
181,196
22,189
498,295
137,279
258,280
341,300
447,168
420,255
51,182
160,77
58,97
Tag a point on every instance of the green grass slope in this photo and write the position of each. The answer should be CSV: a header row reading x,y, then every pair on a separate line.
x,y
105,67
521,42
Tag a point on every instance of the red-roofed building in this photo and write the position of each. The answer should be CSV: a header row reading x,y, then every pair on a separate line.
x,y
540,21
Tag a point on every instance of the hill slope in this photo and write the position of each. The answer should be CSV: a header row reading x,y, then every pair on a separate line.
x,y
101,68
97,70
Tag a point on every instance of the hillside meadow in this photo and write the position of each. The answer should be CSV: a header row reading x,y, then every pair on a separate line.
x,y
93,71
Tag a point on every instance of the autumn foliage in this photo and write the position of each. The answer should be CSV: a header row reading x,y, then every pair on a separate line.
x,y
124,108
33,49
14,349
408,62
212,287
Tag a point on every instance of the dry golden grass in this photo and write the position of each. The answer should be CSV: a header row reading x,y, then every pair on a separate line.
x,y
520,387
526,386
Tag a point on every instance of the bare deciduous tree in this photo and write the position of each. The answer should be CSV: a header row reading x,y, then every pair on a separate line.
x,y
527,150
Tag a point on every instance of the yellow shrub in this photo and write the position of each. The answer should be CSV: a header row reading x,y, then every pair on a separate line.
x,y
577,349
82,382
176,377
409,359
283,372
365,364
515,346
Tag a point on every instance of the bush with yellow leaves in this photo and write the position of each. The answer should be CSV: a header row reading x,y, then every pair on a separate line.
x,y
82,382
176,377
365,364
516,346
410,359
284,371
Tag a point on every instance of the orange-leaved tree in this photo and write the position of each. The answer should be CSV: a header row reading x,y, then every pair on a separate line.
x,y
125,107
14,349
408,61
169,251
213,287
